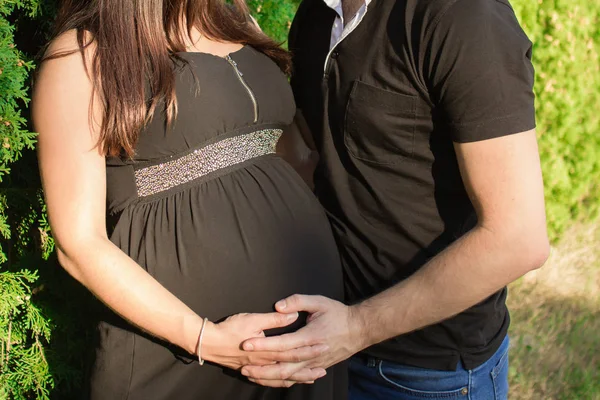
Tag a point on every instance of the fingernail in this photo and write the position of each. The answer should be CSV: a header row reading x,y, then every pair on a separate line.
x,y
292,316
322,374
245,373
281,305
248,346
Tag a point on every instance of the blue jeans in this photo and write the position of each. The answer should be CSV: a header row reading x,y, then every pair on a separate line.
x,y
382,380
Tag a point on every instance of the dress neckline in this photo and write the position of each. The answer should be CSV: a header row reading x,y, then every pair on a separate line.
x,y
233,53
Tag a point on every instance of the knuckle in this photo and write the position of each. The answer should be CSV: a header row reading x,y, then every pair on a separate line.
x,y
280,319
320,352
314,352
283,375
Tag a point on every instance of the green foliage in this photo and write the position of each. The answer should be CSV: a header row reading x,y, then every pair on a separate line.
x,y
14,137
24,332
566,37
274,16
24,328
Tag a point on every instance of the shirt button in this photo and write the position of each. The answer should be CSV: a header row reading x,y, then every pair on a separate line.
x,y
335,54
464,391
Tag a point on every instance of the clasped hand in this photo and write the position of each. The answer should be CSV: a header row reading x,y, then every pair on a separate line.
x,y
333,333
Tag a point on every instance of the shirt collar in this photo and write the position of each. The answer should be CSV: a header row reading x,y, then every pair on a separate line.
x,y
337,5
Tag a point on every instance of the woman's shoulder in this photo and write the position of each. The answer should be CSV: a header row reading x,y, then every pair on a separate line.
x,y
69,54
71,49
62,79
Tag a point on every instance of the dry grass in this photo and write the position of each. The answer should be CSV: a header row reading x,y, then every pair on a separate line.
x,y
556,323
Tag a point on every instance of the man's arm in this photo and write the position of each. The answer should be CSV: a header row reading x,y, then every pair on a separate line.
x,y
296,146
504,181
503,178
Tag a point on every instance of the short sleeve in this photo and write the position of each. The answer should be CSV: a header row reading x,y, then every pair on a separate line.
x,y
477,65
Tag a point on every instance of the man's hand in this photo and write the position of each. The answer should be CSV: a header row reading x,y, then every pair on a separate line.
x,y
331,324
223,341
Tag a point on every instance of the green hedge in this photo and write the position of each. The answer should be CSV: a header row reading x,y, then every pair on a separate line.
x,y
24,330
43,330
566,36
274,16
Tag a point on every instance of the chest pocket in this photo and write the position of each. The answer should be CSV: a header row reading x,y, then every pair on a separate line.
x,y
380,125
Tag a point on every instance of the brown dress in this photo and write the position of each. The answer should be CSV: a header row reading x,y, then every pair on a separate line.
x,y
222,222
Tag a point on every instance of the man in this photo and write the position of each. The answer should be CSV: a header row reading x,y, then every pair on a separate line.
x,y
423,115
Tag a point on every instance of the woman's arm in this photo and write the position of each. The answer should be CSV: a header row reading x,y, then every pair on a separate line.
x,y
74,180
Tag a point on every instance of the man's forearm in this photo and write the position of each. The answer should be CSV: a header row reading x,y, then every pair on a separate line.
x,y
473,268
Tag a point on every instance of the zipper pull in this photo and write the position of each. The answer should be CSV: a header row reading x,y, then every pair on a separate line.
x,y
233,64
240,76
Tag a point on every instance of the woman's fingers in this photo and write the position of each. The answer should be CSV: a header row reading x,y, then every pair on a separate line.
x,y
274,384
302,376
297,372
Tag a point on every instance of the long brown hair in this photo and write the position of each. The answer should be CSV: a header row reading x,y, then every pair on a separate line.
x,y
136,44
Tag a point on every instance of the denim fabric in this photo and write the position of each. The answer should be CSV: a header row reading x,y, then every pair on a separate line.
x,y
374,379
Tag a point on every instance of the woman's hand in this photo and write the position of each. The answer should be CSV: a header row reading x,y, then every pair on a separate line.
x,y
222,343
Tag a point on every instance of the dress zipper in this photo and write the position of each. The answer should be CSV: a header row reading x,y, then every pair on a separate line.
x,y
243,81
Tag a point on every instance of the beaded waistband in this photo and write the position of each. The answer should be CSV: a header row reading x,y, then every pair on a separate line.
x,y
213,157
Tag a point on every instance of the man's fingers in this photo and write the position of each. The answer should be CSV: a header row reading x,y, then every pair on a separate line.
x,y
263,361
301,354
300,302
286,342
283,372
274,320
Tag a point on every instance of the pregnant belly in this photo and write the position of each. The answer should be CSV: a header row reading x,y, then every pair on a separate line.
x,y
237,243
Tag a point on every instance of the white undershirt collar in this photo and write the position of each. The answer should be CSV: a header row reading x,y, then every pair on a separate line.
x,y
338,31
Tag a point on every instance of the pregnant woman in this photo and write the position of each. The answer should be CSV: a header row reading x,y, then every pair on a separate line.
x,y
158,122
